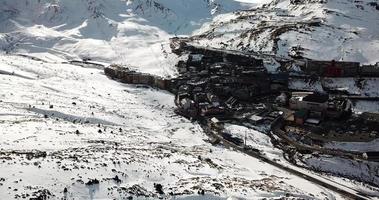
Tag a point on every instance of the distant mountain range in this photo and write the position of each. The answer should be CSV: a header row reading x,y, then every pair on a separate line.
x,y
122,31
137,31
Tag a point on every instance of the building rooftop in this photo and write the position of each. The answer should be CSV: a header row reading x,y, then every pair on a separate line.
x,y
317,98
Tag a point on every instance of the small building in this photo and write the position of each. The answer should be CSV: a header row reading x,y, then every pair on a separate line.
x,y
331,68
195,60
212,98
338,107
372,156
279,81
211,110
187,108
186,103
301,116
282,99
161,83
200,97
219,67
274,115
231,102
110,71
370,70
309,101
320,105
371,117
182,67
215,124
231,138
242,94
197,89
180,96
222,90
255,119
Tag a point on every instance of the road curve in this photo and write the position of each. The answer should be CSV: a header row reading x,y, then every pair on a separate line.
x,y
344,192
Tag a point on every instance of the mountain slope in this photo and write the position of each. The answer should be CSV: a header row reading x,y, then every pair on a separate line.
x,y
63,125
318,29
133,31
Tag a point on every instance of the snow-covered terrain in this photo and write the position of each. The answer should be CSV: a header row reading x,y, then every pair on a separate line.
x,y
63,125
365,88
317,29
92,127
132,32
355,146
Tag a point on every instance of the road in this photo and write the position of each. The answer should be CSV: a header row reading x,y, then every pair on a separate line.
x,y
340,189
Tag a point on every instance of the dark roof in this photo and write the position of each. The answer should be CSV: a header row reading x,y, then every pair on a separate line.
x,y
317,98
372,153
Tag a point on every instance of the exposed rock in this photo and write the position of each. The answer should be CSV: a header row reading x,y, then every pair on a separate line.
x,y
159,188
92,182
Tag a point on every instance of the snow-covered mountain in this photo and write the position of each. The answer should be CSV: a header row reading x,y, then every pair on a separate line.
x,y
318,29
63,125
124,31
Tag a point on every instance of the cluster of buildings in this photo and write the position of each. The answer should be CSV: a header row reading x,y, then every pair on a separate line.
x,y
126,75
216,84
313,107
211,83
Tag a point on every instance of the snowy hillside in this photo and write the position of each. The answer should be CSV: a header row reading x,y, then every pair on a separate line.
x,y
318,29
69,132
122,31
63,125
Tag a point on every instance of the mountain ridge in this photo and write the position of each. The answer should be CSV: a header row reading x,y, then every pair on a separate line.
x,y
113,31
316,29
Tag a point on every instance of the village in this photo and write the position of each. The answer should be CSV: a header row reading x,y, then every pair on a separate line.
x,y
215,87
